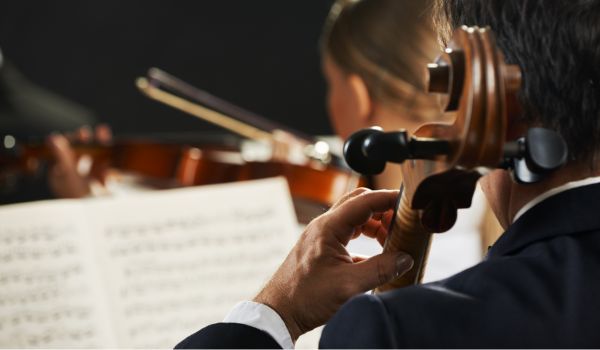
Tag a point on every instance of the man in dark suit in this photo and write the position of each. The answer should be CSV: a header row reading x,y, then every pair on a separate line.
x,y
539,284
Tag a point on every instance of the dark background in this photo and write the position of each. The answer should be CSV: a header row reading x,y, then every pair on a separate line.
x,y
260,54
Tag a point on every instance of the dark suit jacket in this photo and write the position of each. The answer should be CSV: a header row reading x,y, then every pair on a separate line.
x,y
538,287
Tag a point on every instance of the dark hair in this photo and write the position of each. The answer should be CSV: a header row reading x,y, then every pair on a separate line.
x,y
387,43
557,45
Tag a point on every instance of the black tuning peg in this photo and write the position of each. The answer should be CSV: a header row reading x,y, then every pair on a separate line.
x,y
534,156
356,159
368,150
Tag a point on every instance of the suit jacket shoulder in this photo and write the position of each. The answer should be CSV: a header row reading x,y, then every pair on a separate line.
x,y
538,287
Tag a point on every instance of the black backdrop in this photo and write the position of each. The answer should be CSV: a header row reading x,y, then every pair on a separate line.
x,y
260,54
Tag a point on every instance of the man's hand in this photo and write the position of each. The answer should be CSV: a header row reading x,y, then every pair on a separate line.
x,y
319,275
65,178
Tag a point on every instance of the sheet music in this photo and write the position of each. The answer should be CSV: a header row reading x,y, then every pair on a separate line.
x,y
139,271
50,294
178,260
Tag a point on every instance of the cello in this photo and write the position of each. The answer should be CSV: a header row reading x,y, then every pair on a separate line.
x,y
442,162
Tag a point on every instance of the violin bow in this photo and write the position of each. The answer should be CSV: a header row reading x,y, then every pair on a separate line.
x,y
153,88
174,92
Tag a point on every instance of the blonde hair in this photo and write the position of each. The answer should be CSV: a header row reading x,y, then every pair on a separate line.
x,y
387,43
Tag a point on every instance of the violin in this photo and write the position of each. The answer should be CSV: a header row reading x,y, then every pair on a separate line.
x,y
161,164
317,178
442,162
155,160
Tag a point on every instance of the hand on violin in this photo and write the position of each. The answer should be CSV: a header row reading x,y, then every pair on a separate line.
x,y
66,177
319,275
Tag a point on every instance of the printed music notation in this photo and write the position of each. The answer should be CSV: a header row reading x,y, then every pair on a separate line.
x,y
47,280
139,271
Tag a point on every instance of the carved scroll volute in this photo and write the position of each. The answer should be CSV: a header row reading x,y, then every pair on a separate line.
x,y
478,84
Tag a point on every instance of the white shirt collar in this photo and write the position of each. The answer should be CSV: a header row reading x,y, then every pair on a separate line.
x,y
556,190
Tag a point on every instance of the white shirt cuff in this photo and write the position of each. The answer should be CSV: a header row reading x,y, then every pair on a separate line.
x,y
262,317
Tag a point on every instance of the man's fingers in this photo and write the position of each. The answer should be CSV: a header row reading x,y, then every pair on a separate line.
x,y
63,154
83,134
357,210
373,229
380,269
376,227
387,217
63,178
349,195
103,134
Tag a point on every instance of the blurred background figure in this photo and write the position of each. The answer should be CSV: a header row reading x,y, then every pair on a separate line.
x,y
262,56
30,113
374,59
29,110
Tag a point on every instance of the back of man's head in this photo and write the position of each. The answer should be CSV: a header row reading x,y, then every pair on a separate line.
x,y
557,45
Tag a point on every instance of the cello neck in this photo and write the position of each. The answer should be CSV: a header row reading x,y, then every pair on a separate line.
x,y
407,235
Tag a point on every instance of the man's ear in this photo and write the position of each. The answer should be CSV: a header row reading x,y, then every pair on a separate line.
x,y
361,95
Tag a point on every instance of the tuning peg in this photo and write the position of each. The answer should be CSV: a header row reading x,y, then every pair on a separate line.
x,y
387,146
367,151
356,159
537,154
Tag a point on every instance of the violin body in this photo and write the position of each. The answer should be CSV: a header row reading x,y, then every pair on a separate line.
x,y
151,158
316,177
313,187
171,164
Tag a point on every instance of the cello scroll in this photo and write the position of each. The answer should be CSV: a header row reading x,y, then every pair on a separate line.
x,y
442,162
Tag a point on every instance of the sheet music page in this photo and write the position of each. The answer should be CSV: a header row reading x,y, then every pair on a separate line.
x,y
175,261
50,295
